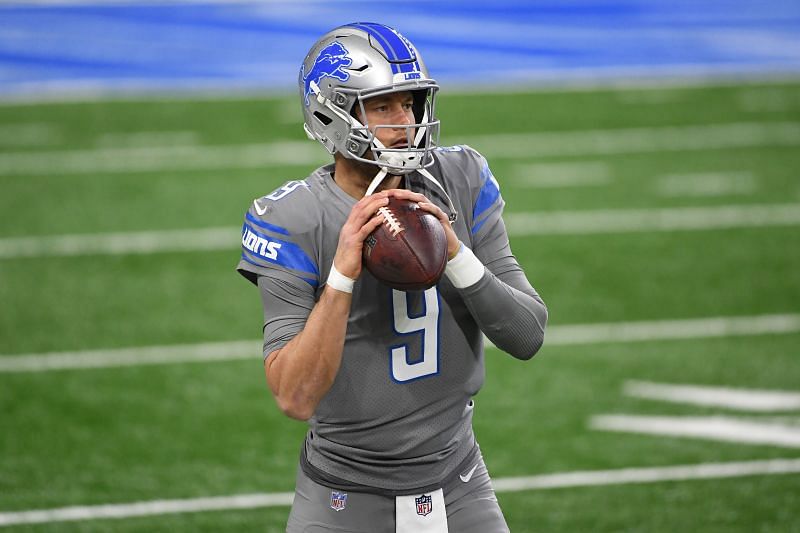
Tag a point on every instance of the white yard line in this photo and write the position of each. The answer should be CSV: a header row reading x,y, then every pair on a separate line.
x,y
553,175
511,145
694,328
636,140
139,242
648,475
591,478
717,428
146,139
706,184
119,357
651,220
160,158
576,334
754,400
155,507
518,224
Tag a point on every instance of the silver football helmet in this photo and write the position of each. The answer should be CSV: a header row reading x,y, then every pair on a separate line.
x,y
351,64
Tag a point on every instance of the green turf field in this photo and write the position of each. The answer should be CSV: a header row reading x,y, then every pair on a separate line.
x,y
85,437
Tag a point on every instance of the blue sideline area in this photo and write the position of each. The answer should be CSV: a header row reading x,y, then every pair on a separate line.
x,y
106,47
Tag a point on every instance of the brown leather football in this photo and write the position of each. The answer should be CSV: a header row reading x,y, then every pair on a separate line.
x,y
408,251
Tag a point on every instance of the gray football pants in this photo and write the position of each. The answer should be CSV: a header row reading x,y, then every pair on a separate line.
x,y
471,507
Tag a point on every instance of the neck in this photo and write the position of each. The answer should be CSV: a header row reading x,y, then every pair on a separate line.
x,y
354,177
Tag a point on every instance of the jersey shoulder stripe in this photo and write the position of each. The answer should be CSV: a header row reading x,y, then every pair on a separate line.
x,y
473,172
277,251
266,225
488,199
279,233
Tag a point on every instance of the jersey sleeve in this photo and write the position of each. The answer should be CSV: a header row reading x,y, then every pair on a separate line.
x,y
487,204
280,255
483,204
287,305
507,309
279,234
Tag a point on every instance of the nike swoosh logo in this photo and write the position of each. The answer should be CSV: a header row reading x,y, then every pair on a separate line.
x,y
260,210
468,476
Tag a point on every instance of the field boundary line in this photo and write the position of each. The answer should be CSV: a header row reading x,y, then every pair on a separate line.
x,y
588,478
556,335
581,222
620,80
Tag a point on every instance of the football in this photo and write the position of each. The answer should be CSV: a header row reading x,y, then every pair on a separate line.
x,y
408,251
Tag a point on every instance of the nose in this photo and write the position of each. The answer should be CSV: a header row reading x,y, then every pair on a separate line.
x,y
401,116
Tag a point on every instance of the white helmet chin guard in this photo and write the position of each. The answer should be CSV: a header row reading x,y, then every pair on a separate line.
x,y
351,64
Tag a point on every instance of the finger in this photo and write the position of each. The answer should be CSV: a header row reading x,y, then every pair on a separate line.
x,y
356,230
435,210
371,225
366,208
405,194
370,204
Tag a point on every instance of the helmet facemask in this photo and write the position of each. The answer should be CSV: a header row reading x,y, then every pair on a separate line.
x,y
421,137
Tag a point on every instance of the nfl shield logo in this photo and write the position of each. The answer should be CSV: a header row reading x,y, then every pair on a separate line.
x,y
424,505
338,500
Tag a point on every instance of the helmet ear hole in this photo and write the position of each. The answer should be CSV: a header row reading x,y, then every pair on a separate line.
x,y
418,106
325,119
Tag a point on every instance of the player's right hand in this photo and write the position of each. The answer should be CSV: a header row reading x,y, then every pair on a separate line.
x,y
362,221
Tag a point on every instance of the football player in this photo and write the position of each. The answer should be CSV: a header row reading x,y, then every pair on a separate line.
x,y
384,378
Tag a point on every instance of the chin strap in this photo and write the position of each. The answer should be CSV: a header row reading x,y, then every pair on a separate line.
x,y
394,163
381,175
453,213
377,180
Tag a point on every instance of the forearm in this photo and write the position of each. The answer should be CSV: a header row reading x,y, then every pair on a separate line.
x,y
302,372
512,319
505,306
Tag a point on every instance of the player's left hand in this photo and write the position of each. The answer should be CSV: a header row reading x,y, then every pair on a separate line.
x,y
453,244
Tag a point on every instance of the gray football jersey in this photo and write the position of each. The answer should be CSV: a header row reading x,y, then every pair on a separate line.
x,y
399,414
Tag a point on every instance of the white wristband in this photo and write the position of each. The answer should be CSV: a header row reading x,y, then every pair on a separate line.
x,y
340,282
464,269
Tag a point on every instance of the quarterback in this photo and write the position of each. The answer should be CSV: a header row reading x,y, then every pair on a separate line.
x,y
385,378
